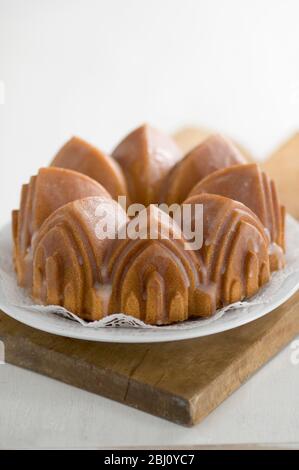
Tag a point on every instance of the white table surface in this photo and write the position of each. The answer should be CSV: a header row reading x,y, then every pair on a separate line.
x,y
36,411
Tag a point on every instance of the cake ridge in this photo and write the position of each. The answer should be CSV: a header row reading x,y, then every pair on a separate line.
x,y
139,155
256,191
82,255
213,153
77,154
218,253
46,191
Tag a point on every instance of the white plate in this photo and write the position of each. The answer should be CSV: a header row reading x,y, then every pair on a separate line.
x,y
281,287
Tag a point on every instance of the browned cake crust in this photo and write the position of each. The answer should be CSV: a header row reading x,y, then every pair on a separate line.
x,y
146,155
80,156
210,155
251,186
61,260
50,189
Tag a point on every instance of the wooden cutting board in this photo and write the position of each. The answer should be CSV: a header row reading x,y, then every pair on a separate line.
x,y
181,381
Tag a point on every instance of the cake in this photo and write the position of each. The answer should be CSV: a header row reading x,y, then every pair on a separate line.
x,y
50,189
75,246
187,138
251,186
146,155
179,283
212,154
68,258
235,250
80,156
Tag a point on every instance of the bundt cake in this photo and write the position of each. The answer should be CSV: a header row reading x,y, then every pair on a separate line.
x,y
212,154
160,281
187,138
75,246
251,186
146,156
50,189
80,156
68,257
235,250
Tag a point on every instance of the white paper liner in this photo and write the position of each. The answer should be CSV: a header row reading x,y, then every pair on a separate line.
x,y
13,295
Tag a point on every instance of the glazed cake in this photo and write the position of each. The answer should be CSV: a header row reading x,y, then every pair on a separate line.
x,y
61,259
50,189
251,186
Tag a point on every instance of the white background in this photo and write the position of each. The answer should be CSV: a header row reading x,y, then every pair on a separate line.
x,y
99,68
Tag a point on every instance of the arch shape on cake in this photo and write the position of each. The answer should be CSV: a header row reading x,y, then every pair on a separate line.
x,y
50,189
235,248
210,155
251,186
69,257
157,280
79,155
146,155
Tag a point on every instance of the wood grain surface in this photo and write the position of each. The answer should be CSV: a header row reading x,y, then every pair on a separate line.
x,y
181,381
